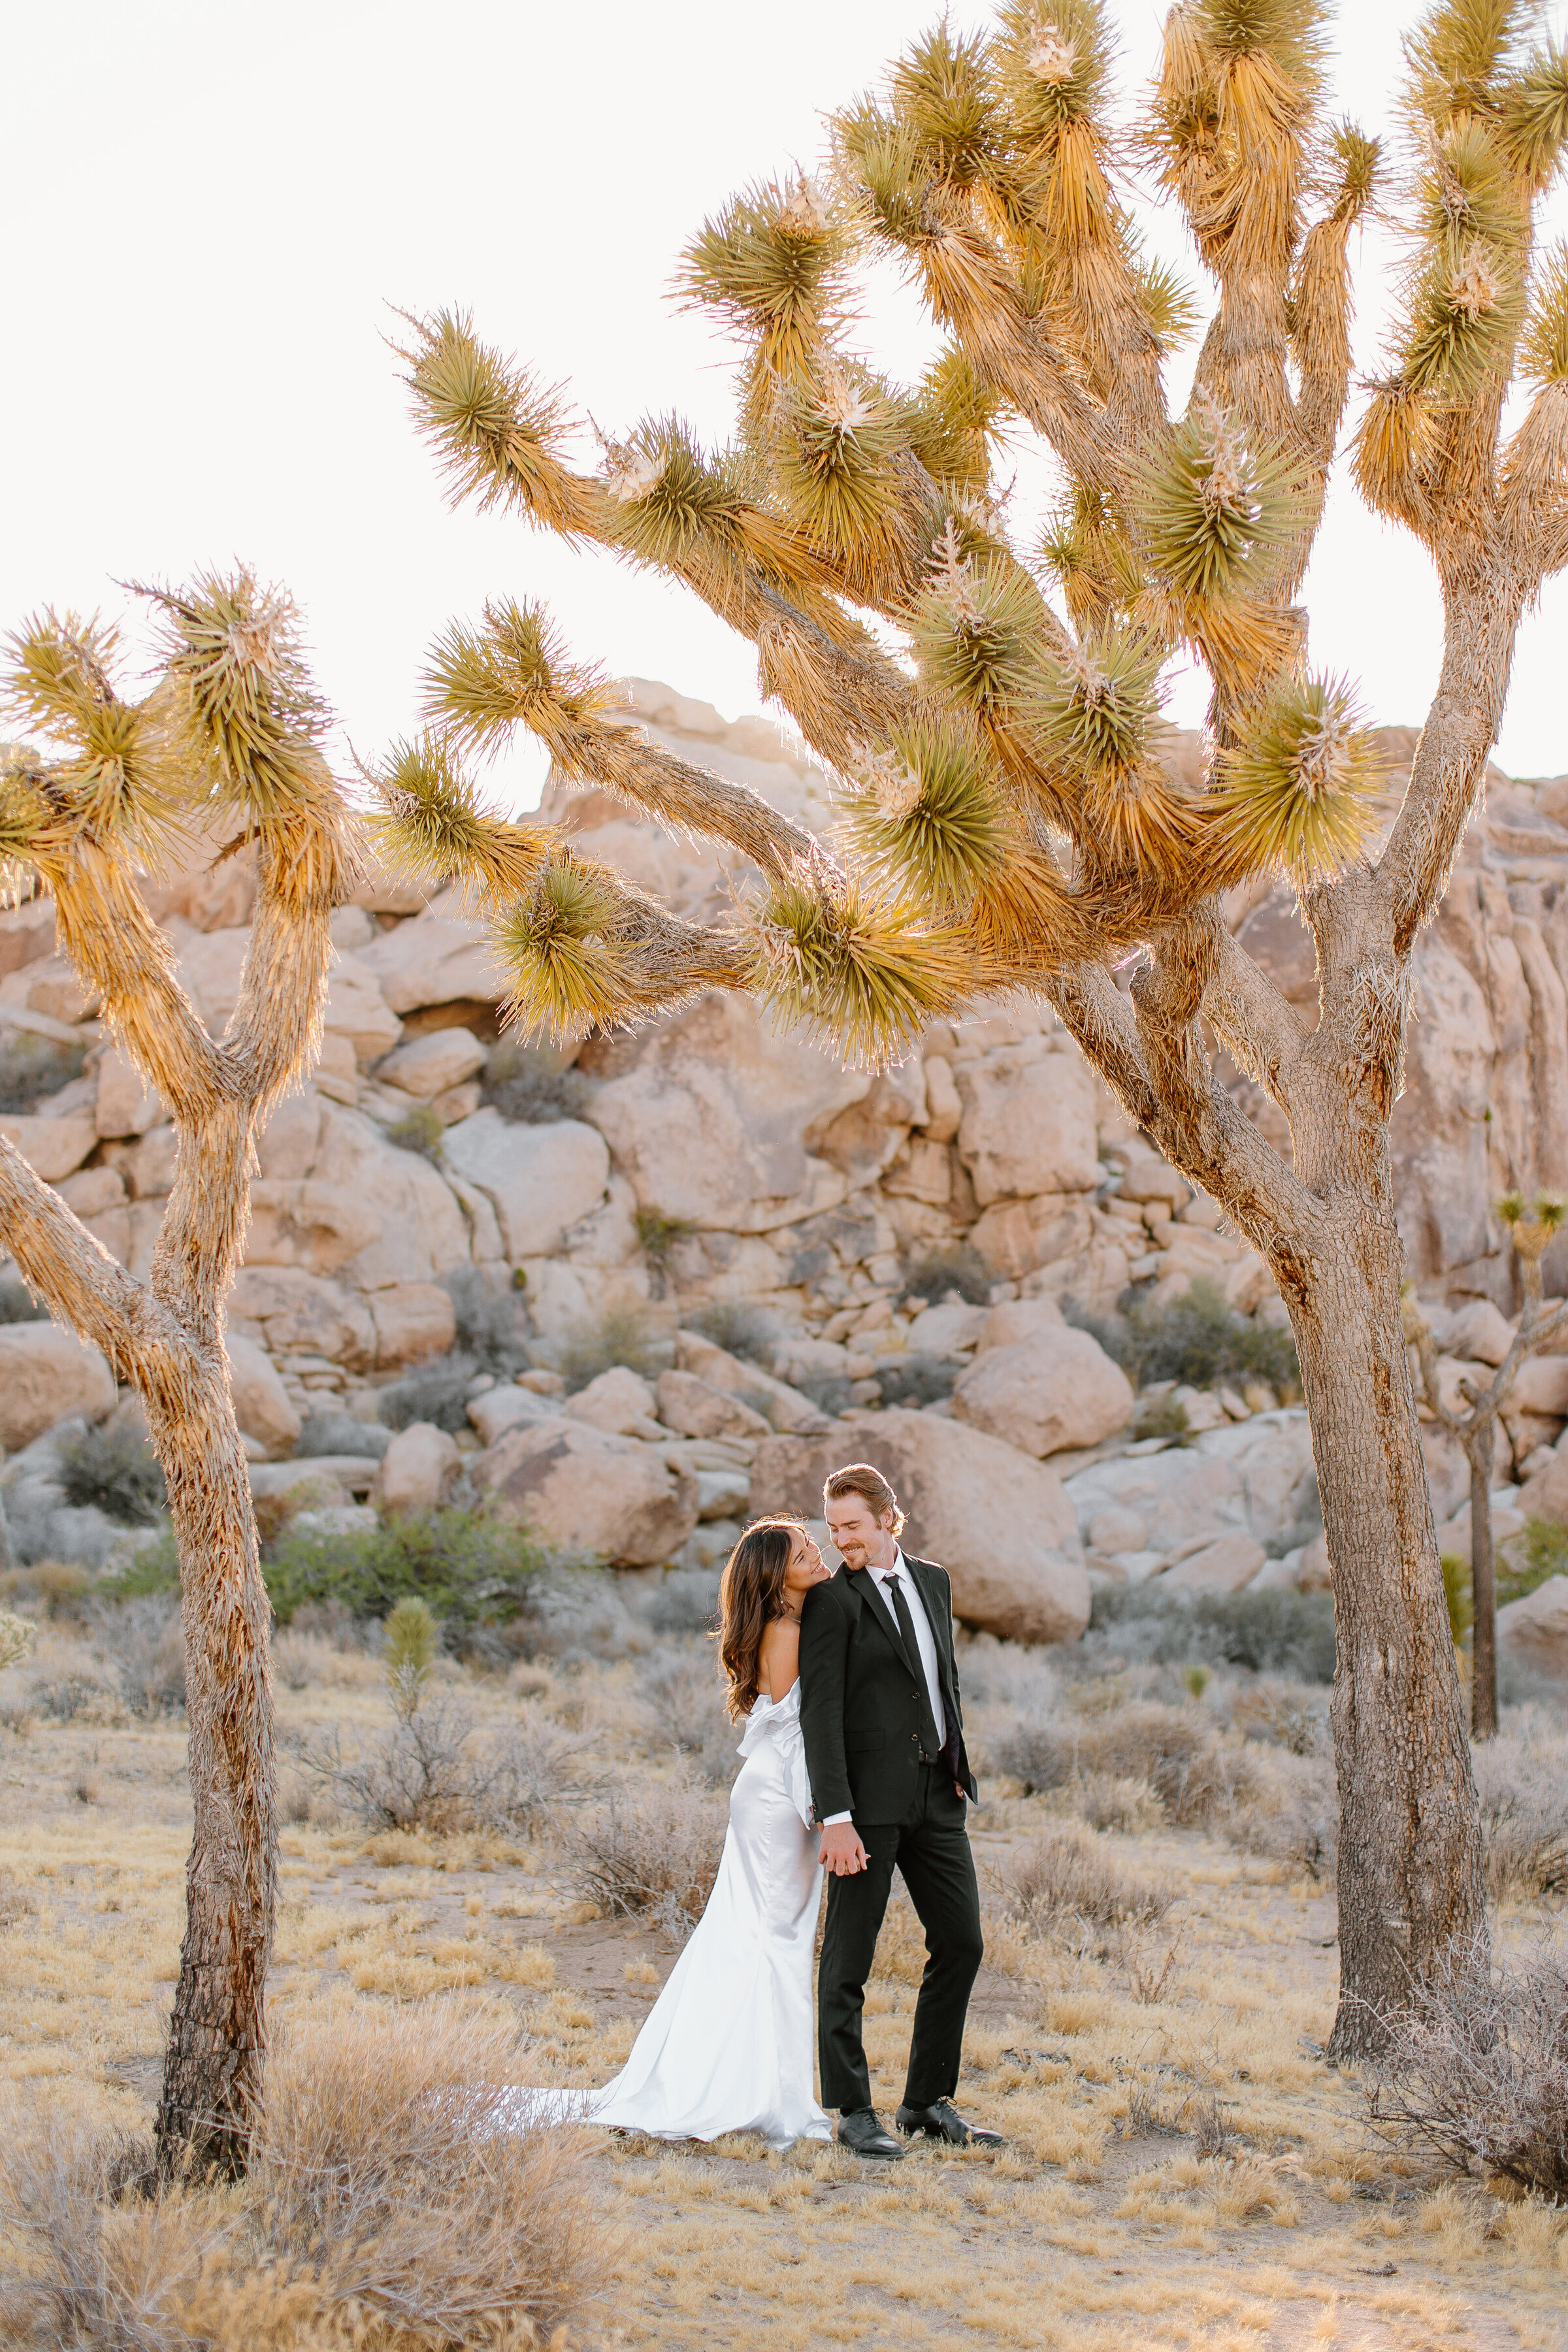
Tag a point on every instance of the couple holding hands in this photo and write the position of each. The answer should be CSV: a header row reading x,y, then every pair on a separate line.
x,y
847,1684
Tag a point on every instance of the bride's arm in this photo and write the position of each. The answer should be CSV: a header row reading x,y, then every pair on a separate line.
x,y
778,1661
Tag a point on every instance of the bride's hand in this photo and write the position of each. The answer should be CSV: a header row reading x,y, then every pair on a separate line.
x,y
842,1850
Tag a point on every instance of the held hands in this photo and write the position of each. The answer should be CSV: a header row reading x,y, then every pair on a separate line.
x,y
842,1850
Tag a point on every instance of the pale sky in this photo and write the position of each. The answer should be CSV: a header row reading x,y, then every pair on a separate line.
x,y
210,208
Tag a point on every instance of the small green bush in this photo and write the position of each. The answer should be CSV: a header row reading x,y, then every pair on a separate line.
x,y
1546,1554
155,1569
421,1131
959,1267
622,1335
1200,1338
437,1392
657,1235
487,1320
1165,1417
469,1569
735,1324
518,1083
117,1471
1457,1592
410,1655
1275,1632
917,1380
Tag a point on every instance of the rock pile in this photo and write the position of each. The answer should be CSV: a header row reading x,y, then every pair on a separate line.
x,y
795,1258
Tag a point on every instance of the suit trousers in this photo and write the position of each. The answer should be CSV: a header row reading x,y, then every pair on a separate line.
x,y
930,1847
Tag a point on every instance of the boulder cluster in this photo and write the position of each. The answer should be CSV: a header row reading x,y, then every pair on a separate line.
x,y
792,1263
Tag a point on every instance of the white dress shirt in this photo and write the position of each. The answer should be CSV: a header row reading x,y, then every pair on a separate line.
x,y
925,1642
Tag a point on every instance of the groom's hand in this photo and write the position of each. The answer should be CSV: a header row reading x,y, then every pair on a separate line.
x,y
842,1850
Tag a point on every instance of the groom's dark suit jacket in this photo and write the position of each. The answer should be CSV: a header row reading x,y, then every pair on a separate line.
x,y
862,1699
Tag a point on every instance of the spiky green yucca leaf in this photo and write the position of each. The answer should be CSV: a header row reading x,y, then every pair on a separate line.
x,y
1213,504
953,423
1355,159
481,683
834,465
246,711
428,821
499,432
1096,708
1053,61
867,972
977,628
1298,788
114,775
1168,302
773,263
942,93
669,498
881,158
1289,32
925,817
1466,315
560,947
1543,347
1533,115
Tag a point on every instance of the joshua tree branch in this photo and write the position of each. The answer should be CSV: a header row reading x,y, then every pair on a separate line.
x,y
80,1283
1100,1018
1262,1028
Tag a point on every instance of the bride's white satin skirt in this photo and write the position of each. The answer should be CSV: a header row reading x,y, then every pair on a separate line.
x,y
728,2046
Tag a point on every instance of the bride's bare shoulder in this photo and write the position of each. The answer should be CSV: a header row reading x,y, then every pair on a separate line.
x,y
778,1658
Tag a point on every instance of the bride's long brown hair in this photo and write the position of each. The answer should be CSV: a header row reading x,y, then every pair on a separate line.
x,y
751,1596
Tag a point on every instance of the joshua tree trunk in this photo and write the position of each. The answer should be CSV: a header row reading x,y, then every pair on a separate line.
x,y
232,725
1410,1882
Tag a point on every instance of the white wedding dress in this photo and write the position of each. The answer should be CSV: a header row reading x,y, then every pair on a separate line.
x,y
727,2047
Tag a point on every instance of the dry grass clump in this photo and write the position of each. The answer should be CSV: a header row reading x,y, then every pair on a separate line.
x,y
1066,1874
1176,1751
382,2212
1522,1781
1478,2069
432,1771
654,1851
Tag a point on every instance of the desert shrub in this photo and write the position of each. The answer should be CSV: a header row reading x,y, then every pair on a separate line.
x,y
685,1692
89,1695
654,1851
32,1067
1523,1786
1111,1800
16,1636
1281,1715
1007,1673
917,1379
657,1235
470,1569
1289,1811
1276,1632
420,1131
685,1601
621,1334
524,1088
154,1568
1032,1753
487,1321
391,2198
409,1654
17,1304
116,1471
340,1433
420,1775
1544,1546
831,1392
1475,2067
437,1392
1459,1597
1066,1874
1175,1751
1164,1416
736,1325
574,1613
957,1266
51,1591
140,1643
1200,1338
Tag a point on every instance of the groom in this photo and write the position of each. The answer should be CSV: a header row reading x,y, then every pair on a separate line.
x,y
889,1775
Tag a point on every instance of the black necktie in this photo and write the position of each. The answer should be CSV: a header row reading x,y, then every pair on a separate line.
x,y
930,1739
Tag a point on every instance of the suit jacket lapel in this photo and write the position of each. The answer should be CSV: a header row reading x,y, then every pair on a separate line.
x,y
871,1597
940,1624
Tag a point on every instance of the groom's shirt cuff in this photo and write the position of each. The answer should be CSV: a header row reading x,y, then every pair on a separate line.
x,y
834,1819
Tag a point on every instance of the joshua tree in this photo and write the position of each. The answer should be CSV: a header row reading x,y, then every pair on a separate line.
x,y
995,715
1531,1229
229,734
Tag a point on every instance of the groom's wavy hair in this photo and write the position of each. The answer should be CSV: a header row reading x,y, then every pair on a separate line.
x,y
860,1478
751,1595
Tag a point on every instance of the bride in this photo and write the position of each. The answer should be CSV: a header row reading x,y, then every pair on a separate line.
x,y
726,2047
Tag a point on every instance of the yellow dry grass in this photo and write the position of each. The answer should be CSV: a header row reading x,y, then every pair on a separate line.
x,y
1099,2227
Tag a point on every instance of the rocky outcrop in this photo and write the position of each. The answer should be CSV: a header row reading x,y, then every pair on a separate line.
x,y
48,1376
774,1242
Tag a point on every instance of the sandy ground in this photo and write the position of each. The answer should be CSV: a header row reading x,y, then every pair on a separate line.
x,y
1180,2168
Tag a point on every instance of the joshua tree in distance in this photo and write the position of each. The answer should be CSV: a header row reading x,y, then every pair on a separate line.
x,y
1007,820
1531,1229
230,733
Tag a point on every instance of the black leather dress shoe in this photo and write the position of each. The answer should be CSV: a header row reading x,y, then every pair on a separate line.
x,y
860,2131
943,2121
